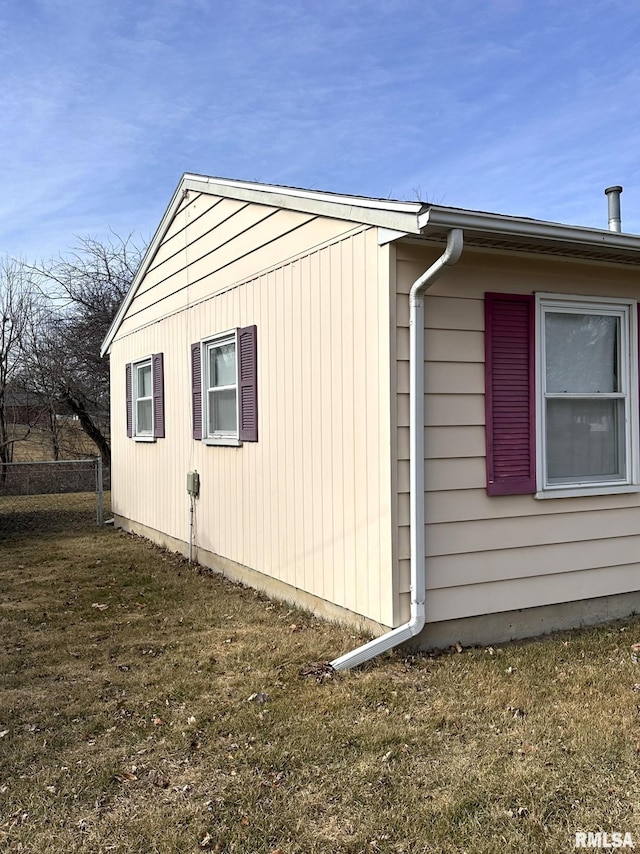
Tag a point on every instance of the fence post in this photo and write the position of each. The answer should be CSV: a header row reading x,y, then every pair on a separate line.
x,y
100,510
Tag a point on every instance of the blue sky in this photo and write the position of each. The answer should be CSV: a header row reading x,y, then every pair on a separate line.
x,y
520,107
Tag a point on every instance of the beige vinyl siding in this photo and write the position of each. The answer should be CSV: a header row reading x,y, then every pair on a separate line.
x,y
488,554
214,243
309,504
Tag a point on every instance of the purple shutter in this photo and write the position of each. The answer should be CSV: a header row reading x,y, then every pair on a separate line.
x,y
510,394
248,373
157,370
128,400
196,389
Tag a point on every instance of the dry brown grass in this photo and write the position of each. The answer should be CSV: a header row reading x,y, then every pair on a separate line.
x,y
34,444
176,719
42,515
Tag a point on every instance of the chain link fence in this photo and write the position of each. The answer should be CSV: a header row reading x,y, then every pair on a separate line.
x,y
53,495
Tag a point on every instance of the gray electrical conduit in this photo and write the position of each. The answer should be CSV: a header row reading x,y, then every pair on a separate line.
x,y
416,429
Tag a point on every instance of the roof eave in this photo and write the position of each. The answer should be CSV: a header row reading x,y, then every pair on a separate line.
x,y
402,216
398,216
397,219
436,217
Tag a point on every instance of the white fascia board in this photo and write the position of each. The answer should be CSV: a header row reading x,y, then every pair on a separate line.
x,y
152,248
498,224
401,216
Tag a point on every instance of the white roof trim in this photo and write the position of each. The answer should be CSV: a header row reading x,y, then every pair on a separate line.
x,y
152,248
503,225
402,216
394,219
388,235
267,190
398,216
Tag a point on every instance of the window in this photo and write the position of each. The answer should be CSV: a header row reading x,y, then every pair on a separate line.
x,y
221,384
561,395
145,398
224,388
584,394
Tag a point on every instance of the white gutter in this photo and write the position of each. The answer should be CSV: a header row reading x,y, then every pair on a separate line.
x,y
503,226
416,431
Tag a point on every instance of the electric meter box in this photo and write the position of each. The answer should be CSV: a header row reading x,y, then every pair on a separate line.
x,y
193,483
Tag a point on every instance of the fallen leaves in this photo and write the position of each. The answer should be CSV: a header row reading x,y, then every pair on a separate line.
x,y
519,812
320,670
216,846
159,780
516,712
125,777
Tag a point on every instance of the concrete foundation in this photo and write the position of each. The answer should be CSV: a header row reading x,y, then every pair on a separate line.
x,y
481,630
272,587
527,622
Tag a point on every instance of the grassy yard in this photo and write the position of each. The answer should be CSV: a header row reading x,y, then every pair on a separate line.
x,y
150,707
35,443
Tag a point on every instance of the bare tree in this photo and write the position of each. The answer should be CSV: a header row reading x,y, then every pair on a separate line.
x,y
85,289
38,378
17,300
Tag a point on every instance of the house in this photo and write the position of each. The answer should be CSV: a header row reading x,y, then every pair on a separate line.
x,y
270,342
26,409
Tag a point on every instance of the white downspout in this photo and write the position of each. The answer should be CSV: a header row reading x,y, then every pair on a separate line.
x,y
416,433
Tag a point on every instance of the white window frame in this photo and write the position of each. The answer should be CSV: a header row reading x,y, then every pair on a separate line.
x,y
219,437
138,435
626,310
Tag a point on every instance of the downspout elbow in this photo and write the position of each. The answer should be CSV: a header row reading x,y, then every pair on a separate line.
x,y
450,256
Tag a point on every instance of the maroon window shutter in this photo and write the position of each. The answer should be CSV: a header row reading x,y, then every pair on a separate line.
x,y
158,395
248,347
196,389
129,400
510,394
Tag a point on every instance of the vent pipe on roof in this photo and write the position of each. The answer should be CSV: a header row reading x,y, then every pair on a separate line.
x,y
613,195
